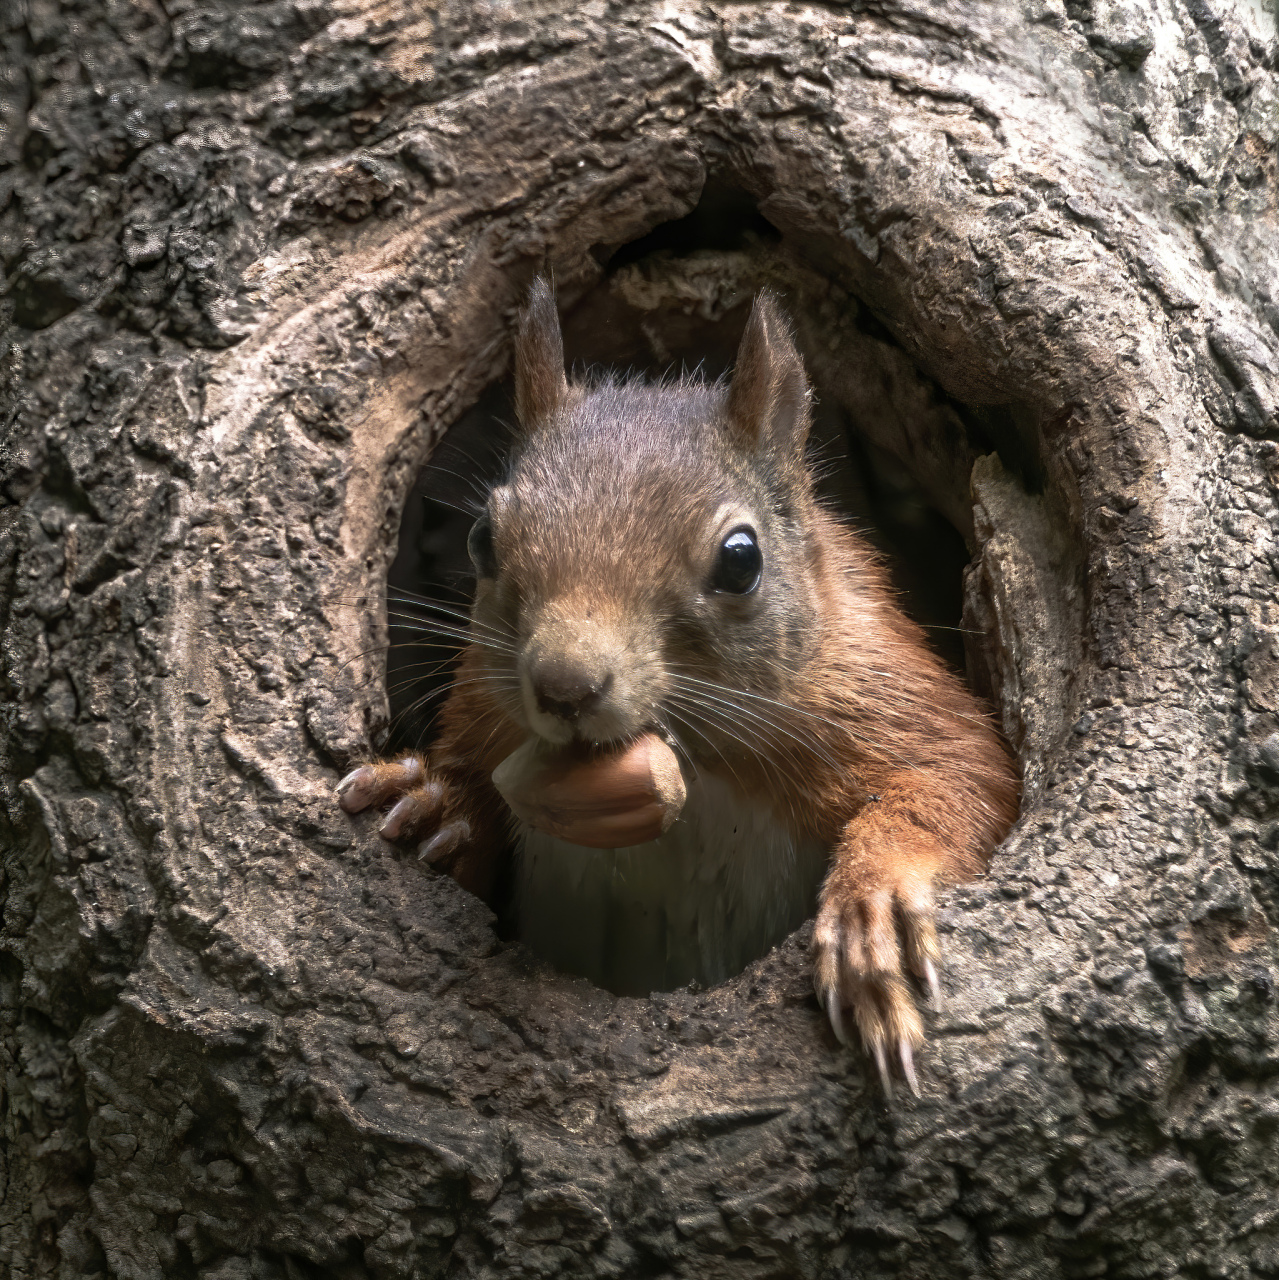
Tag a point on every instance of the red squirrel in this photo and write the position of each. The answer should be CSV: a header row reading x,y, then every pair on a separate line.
x,y
656,563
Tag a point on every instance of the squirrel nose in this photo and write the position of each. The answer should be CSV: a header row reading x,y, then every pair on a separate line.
x,y
568,691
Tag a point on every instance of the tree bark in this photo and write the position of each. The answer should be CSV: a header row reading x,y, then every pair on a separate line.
x,y
258,260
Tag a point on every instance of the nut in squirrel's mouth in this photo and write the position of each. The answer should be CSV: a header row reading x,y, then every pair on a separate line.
x,y
600,796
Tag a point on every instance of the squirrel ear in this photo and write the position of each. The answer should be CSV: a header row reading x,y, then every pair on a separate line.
x,y
540,385
768,397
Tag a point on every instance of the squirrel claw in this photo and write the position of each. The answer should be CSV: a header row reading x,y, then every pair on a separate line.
x,y
907,1056
417,805
881,1062
445,841
930,980
412,813
836,1015
374,784
858,969
400,816
356,790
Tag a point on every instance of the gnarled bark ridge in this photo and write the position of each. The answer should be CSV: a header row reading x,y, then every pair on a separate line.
x,y
258,259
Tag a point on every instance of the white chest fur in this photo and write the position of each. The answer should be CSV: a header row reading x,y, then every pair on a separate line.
x,y
723,885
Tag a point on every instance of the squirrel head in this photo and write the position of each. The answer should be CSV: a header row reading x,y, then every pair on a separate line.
x,y
647,537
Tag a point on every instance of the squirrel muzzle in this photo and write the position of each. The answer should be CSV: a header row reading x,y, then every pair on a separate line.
x,y
588,679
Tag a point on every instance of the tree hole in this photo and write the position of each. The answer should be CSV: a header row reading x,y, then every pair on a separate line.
x,y
891,451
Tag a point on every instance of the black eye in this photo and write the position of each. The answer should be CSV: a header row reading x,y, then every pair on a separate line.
x,y
740,561
479,546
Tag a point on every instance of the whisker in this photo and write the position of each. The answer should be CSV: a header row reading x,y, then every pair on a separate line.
x,y
467,628
411,621
752,735
465,637
749,718
471,512
450,449
689,725
437,668
843,728
409,599
406,608
454,649
761,717
385,648
758,733
459,615
423,602
680,747
419,703
778,757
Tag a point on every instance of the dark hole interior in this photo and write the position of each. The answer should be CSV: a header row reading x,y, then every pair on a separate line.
x,y
676,300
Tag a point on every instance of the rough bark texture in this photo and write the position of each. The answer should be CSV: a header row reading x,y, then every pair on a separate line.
x,y
259,257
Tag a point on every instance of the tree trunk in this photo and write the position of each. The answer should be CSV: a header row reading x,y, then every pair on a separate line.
x,y
259,258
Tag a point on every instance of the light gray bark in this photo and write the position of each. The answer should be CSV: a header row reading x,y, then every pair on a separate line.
x,y
259,259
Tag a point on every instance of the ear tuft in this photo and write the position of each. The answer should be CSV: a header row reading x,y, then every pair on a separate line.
x,y
768,397
540,385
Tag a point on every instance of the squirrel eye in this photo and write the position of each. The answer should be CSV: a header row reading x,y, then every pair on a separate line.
x,y
479,546
740,561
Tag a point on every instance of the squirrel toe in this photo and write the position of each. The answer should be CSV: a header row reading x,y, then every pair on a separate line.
x,y
413,813
448,839
374,784
857,969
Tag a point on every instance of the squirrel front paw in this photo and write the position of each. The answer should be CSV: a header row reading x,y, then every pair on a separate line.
x,y
419,805
858,961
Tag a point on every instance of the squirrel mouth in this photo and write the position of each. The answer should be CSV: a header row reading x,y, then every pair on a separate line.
x,y
589,747
600,729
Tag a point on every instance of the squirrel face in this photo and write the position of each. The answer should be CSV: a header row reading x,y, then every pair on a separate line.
x,y
645,533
